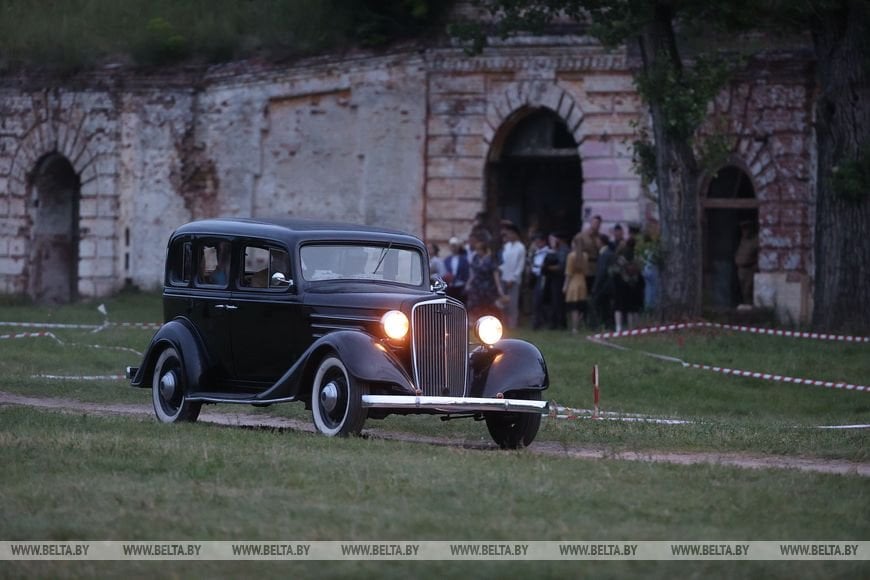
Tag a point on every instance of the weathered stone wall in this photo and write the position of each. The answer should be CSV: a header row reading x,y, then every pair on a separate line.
x,y
83,126
473,104
767,116
398,140
337,140
154,123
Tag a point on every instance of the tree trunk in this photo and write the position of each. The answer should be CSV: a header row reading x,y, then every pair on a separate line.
x,y
677,179
842,225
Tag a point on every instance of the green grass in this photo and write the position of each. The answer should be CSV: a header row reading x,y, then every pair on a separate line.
x,y
69,477
794,357
729,414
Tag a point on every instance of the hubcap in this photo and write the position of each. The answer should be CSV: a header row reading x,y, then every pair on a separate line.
x,y
329,396
167,385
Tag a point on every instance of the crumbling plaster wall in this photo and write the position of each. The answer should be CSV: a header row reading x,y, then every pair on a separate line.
x,y
341,141
398,140
332,140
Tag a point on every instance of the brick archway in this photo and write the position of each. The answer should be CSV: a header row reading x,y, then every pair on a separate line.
x,y
502,111
85,139
538,190
54,239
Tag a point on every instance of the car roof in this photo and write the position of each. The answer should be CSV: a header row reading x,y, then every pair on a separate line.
x,y
293,229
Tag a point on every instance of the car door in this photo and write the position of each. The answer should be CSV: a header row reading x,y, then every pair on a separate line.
x,y
268,316
209,306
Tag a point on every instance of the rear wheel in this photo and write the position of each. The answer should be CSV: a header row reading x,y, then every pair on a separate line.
x,y
336,399
169,390
514,430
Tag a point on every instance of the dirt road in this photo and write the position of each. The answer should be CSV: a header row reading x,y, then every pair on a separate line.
x,y
746,461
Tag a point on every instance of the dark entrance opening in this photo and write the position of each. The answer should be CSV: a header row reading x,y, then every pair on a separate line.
x,y
535,179
730,201
54,245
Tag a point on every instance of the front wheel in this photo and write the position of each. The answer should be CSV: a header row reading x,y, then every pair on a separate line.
x,y
169,388
336,399
514,430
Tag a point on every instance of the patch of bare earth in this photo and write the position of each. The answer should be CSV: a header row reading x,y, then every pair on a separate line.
x,y
746,461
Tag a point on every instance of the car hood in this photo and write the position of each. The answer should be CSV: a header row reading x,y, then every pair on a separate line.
x,y
350,296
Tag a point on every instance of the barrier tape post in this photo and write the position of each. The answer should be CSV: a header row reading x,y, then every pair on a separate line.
x,y
596,392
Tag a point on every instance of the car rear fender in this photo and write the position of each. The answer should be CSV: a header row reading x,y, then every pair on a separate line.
x,y
177,333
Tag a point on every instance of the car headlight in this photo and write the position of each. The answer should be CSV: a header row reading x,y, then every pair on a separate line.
x,y
395,324
488,329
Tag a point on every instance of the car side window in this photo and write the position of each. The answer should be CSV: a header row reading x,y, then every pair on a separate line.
x,y
280,264
213,258
261,266
180,263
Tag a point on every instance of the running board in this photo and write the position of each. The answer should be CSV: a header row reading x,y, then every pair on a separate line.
x,y
453,404
237,400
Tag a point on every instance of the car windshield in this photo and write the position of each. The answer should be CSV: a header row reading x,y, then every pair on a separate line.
x,y
382,262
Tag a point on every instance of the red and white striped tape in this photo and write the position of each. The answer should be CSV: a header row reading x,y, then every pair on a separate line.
x,y
51,335
602,338
143,325
779,378
736,328
557,411
30,335
80,377
49,325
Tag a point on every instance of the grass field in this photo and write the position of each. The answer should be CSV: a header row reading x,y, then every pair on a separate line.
x,y
727,413
75,477
71,476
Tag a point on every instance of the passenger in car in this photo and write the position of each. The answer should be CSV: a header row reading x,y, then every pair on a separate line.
x,y
220,275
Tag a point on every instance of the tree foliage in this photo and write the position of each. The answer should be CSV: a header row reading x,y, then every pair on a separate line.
x,y
82,33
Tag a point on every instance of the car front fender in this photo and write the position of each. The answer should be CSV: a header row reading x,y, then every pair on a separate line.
x,y
509,365
364,356
179,334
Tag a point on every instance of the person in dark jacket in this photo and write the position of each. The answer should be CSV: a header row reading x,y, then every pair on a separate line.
x,y
456,266
554,270
602,290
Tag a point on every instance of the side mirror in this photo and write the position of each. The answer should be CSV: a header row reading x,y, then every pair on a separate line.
x,y
437,285
279,281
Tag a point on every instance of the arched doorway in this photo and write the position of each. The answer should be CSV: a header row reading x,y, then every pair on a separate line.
x,y
533,176
729,202
54,245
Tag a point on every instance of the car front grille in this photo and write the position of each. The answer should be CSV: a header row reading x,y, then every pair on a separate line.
x,y
440,342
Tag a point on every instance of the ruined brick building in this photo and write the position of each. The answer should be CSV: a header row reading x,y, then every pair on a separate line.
x,y
96,170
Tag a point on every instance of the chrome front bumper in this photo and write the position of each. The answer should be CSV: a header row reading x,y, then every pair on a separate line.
x,y
453,404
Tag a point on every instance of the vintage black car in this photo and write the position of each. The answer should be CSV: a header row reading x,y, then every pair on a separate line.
x,y
344,318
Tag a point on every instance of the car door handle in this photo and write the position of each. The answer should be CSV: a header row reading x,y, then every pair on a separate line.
x,y
227,306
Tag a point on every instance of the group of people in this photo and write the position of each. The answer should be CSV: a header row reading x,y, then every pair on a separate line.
x,y
487,282
600,279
